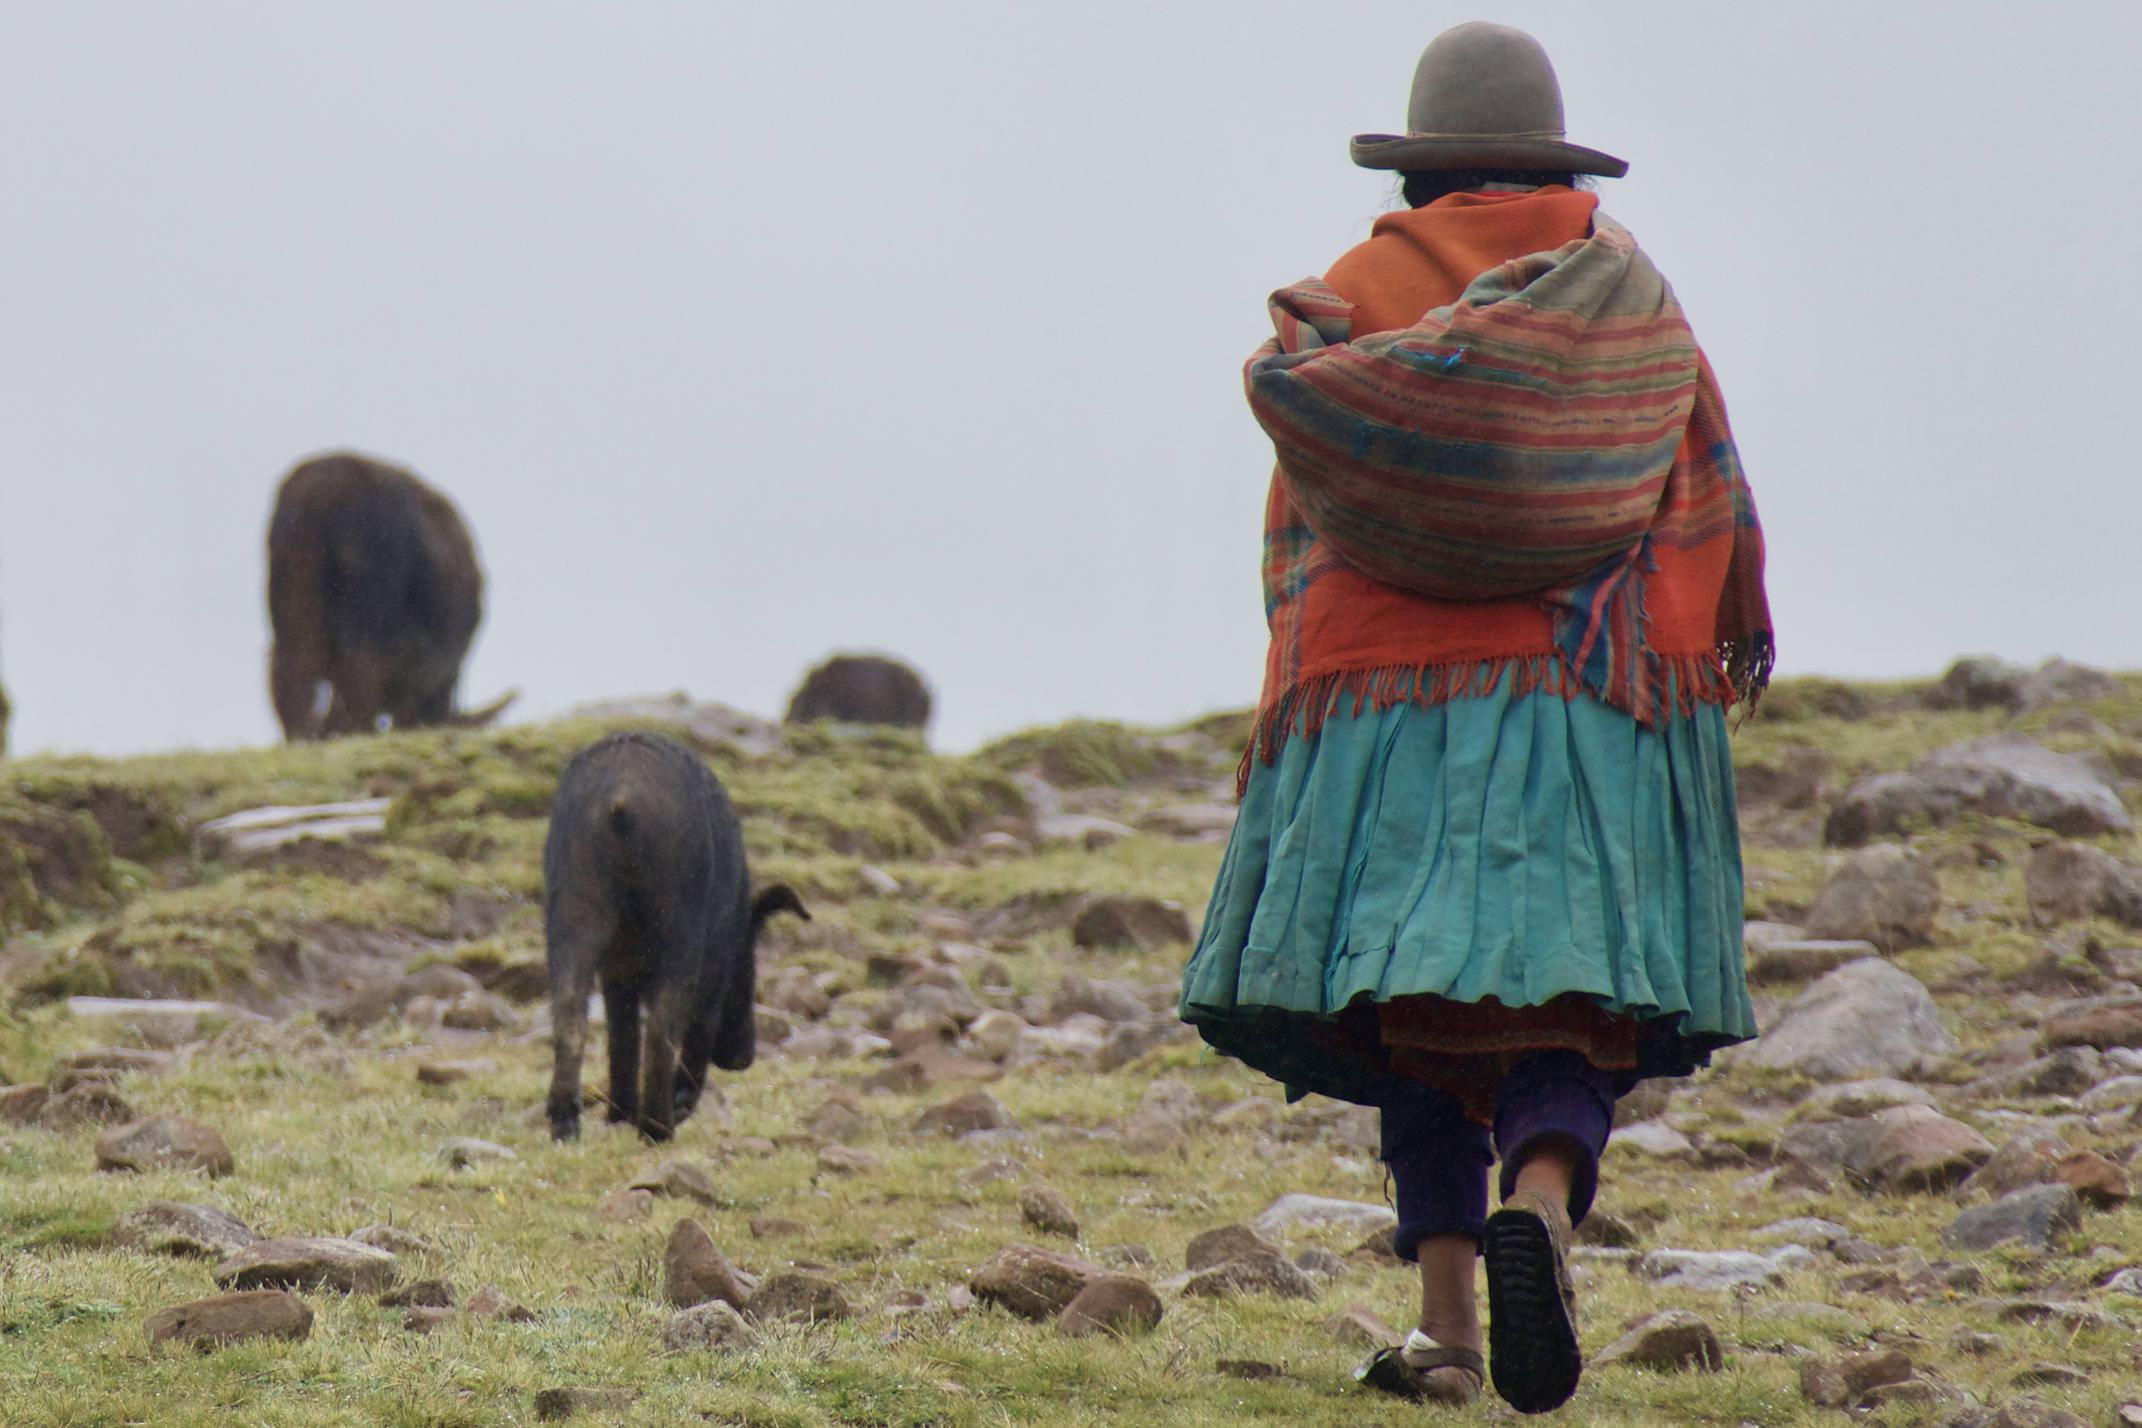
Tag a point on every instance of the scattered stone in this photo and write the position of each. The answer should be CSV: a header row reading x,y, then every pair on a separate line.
x,y
1867,1018
1032,1282
1048,1211
1116,1003
2004,776
394,1239
556,1403
1223,1244
2060,681
1722,1269
679,1179
462,1152
164,1143
2026,1159
2033,1216
1978,682
490,1302
1161,1122
158,1021
989,1172
1918,1148
450,1073
1670,1340
847,1160
627,1206
92,1102
1655,1139
2104,1023
1851,1099
1814,1233
423,1318
169,1227
963,1115
995,1035
1251,1274
1307,1212
1143,922
480,1011
1882,894
2050,1375
694,1271
2097,1181
1606,1230
1359,1325
2065,881
419,1294
1801,959
773,1227
1114,1304
713,1325
1200,822
228,1318
309,1262
1840,1383
795,1294
1320,1263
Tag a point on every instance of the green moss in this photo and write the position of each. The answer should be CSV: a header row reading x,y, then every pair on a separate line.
x,y
1085,753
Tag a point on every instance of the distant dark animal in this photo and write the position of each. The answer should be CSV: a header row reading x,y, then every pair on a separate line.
x,y
374,594
862,689
646,892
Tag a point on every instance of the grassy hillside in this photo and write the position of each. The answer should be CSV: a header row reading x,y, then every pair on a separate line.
x,y
940,888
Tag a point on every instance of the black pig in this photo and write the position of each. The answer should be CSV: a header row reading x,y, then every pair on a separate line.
x,y
646,892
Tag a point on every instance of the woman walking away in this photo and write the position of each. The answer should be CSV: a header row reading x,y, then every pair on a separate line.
x,y
1486,874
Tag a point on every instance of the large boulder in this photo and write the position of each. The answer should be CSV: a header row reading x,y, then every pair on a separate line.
x,y
1867,1018
1918,1148
169,1227
227,1318
1034,1283
164,1143
2033,1216
1978,682
309,1262
1882,894
2003,776
2060,681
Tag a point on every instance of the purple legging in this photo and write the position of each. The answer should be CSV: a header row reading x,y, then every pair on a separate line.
x,y
1439,1160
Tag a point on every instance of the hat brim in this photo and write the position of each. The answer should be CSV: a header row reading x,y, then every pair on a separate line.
x,y
1420,153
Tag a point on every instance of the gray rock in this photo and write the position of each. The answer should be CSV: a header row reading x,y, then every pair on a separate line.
x,y
164,1143
2032,1216
2064,881
1114,1304
1918,1148
394,1239
1722,1269
309,1262
1655,1139
1228,1242
798,1296
228,1318
1143,922
695,1271
713,1325
1669,1340
963,1115
1032,1282
169,1227
1882,894
1251,1274
1297,1211
1803,959
679,1178
1046,1209
2028,1158
1814,1233
2060,681
2004,776
1861,1098
1867,1018
1978,682
1113,1002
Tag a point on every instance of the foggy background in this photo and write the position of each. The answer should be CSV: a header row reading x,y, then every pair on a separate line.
x,y
744,333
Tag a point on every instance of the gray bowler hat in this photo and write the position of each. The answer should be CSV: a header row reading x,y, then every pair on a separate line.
x,y
1484,97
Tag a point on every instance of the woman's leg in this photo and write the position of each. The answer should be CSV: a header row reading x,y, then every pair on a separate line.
x,y
1439,1164
1553,1113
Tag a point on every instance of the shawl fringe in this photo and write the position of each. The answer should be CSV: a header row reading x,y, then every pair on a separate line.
x,y
1680,683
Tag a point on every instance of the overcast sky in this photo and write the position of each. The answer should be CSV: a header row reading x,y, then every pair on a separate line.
x,y
745,332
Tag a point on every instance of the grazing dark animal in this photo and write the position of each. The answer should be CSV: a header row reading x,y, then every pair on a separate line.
x,y
862,689
646,892
374,594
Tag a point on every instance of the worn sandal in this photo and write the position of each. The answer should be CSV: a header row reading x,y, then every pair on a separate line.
x,y
1532,1306
1417,1377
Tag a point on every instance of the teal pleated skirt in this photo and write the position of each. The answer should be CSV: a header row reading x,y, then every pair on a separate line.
x,y
1519,847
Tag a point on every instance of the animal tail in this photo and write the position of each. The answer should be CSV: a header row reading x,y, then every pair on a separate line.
x,y
480,718
778,898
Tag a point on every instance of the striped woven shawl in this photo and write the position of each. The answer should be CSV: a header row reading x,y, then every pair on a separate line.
x,y
1545,439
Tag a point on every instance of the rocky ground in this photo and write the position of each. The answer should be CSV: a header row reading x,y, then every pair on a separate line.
x,y
270,1073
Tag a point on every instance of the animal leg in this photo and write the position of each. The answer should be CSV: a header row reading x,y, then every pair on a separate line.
x,y
692,1069
572,977
658,1080
621,1008
294,678
360,681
